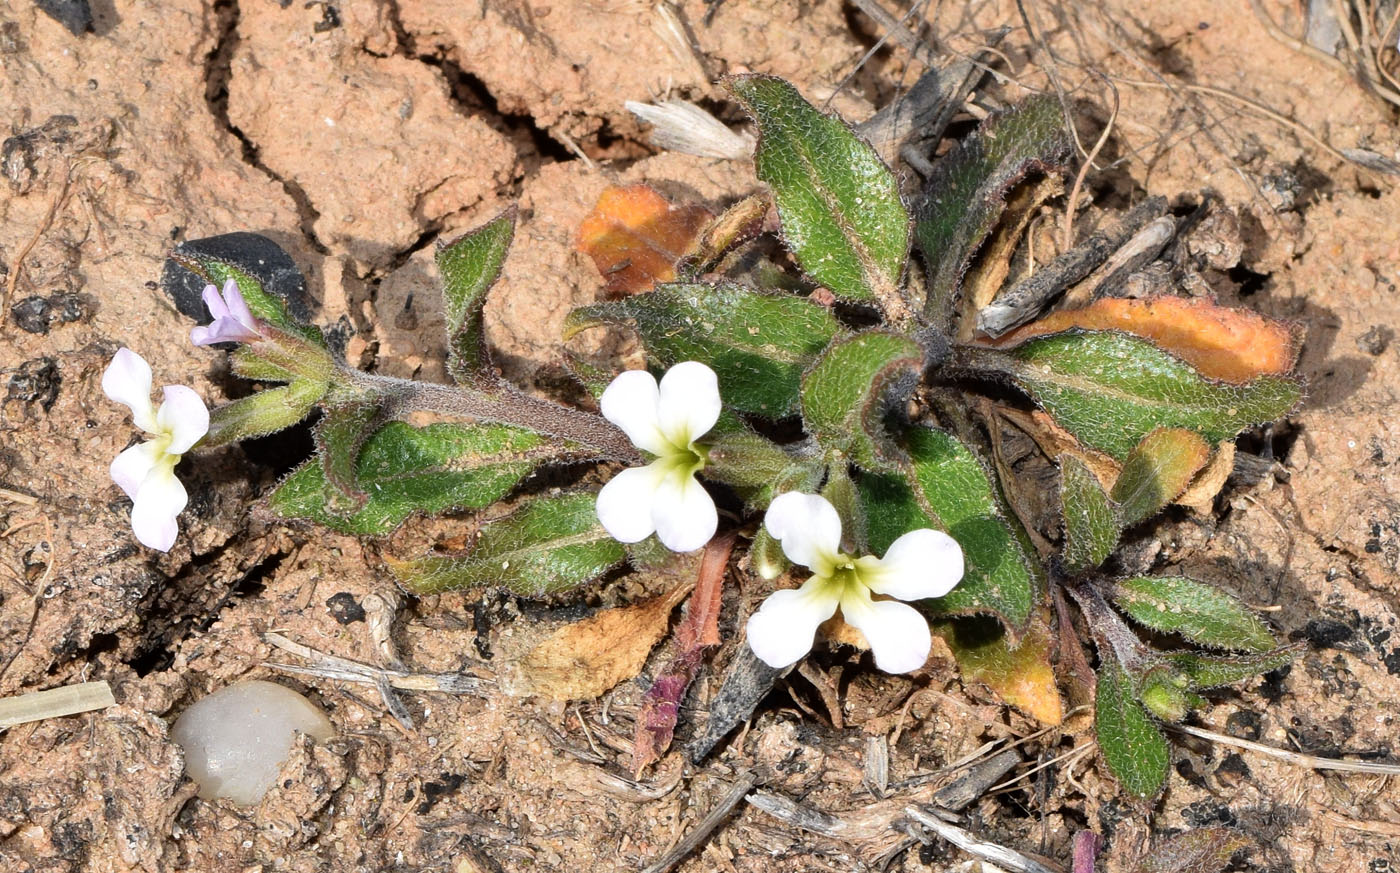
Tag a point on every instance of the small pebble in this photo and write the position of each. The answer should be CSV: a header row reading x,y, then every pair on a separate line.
x,y
236,739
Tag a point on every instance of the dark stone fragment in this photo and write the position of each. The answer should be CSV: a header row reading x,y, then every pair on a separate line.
x,y
1392,663
1232,772
1204,813
31,314
76,15
36,381
344,608
37,314
253,253
1326,633
435,791
1245,725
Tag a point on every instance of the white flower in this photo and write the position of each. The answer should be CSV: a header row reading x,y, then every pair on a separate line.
x,y
233,322
922,563
663,496
146,472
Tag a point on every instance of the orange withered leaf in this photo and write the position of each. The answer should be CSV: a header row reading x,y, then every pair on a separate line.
x,y
1232,345
636,237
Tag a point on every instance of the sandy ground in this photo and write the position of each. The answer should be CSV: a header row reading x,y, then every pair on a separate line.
x,y
355,133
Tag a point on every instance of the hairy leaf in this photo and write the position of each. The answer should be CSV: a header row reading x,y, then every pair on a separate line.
x,y
965,195
1019,672
248,365
1132,744
758,344
1203,850
947,488
469,266
340,434
838,202
404,469
636,238
1213,671
1199,612
550,545
1110,390
1092,524
848,392
760,469
263,413
1157,471
1232,345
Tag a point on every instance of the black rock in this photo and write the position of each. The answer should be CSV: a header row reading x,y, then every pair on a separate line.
x,y
76,15
344,608
253,253
37,314
31,314
35,381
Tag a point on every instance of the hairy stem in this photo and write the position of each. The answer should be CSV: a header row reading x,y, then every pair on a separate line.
x,y
504,404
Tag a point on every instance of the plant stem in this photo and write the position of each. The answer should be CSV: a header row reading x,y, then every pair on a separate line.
x,y
505,404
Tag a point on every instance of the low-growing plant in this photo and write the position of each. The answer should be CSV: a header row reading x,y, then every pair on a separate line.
x,y
893,491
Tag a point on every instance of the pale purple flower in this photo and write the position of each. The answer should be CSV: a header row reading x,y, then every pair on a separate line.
x,y
921,564
146,472
233,322
663,497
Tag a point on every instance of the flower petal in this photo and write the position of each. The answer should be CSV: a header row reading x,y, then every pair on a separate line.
x,y
624,505
157,505
127,380
922,563
684,513
237,307
689,403
184,416
808,527
898,634
223,330
630,403
133,465
782,630
214,302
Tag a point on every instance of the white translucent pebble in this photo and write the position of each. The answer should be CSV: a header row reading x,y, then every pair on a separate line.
x,y
236,739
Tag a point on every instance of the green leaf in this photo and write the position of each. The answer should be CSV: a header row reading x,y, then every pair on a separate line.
x,y
758,468
469,266
1157,471
758,344
1199,612
966,194
550,545
838,202
1133,746
404,469
263,305
848,392
1092,526
251,366
1213,671
263,413
1110,390
340,434
1165,691
1020,672
947,488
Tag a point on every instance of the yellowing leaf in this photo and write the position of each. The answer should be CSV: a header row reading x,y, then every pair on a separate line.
x,y
584,659
1021,675
1232,345
636,237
